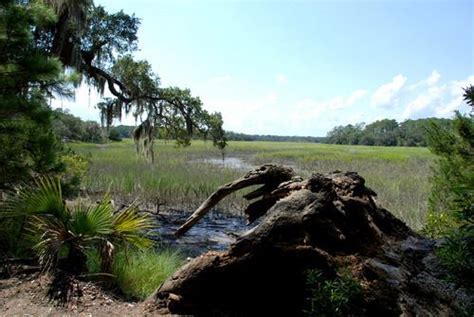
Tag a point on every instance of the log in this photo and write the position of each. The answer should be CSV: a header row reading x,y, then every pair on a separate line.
x,y
326,222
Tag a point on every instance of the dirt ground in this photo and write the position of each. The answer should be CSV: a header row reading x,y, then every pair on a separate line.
x,y
27,295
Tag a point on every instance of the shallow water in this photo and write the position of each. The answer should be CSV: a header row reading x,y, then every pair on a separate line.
x,y
229,162
216,231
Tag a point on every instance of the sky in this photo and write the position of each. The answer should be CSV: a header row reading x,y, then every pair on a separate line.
x,y
304,67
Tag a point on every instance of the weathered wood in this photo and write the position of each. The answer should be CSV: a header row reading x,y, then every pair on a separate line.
x,y
327,222
266,174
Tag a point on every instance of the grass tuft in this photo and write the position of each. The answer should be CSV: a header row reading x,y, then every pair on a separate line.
x,y
139,273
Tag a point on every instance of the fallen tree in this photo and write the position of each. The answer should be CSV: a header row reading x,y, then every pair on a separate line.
x,y
324,223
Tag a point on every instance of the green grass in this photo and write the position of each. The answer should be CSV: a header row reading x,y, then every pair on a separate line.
x,y
139,273
181,179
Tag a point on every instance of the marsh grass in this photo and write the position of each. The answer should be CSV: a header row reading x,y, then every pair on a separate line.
x,y
182,179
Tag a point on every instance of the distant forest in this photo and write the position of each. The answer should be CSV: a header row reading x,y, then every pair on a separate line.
x,y
384,132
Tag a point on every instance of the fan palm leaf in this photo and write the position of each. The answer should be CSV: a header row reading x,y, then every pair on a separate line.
x,y
129,225
54,235
44,197
92,220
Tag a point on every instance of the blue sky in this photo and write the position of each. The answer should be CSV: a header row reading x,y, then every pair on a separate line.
x,y
303,67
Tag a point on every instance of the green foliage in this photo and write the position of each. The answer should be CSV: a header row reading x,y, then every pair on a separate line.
x,y
27,76
93,132
114,135
345,135
71,128
36,39
68,127
452,196
332,297
139,273
124,131
440,224
234,136
456,254
217,133
57,227
385,133
75,168
108,35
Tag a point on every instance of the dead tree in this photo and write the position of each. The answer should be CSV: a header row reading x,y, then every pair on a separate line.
x,y
326,222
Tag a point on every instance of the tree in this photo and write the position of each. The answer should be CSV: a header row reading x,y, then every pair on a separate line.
x,y
218,134
27,77
93,132
39,40
114,135
451,204
383,132
350,134
99,45
66,126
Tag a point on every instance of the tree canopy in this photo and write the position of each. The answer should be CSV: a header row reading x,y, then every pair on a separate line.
x,y
99,45
47,48
386,132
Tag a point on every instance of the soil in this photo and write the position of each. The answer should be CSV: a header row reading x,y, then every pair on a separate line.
x,y
27,295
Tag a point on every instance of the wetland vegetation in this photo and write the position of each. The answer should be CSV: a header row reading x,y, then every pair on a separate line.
x,y
182,178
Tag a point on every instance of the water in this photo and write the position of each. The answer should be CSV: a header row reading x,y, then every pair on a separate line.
x,y
216,231
229,162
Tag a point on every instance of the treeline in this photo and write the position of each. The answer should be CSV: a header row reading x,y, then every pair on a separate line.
x,y
71,128
234,136
386,132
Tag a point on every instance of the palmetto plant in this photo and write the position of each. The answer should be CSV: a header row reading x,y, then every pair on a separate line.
x,y
63,232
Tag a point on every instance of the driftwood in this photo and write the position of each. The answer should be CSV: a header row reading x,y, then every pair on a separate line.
x,y
326,222
269,175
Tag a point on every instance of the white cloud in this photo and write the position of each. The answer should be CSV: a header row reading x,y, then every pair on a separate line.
x,y
281,79
437,99
426,98
446,110
386,94
341,102
309,111
355,96
434,78
456,86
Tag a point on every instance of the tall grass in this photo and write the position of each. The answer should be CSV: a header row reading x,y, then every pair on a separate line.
x,y
173,180
139,273
182,179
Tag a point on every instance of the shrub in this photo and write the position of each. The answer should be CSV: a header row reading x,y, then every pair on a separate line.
x,y
58,228
332,297
75,168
